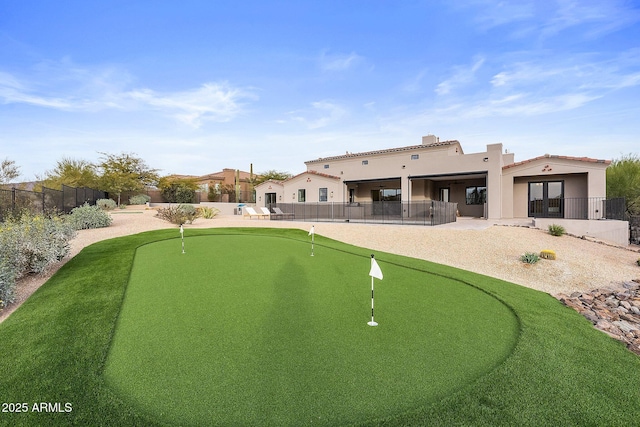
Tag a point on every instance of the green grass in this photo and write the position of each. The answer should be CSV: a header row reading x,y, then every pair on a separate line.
x,y
63,344
264,328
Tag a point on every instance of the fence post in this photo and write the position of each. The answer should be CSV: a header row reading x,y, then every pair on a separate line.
x,y
13,199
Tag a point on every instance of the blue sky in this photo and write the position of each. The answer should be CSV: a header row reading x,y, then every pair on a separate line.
x,y
193,87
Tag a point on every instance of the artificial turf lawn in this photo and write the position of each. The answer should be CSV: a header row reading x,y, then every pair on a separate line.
x,y
265,334
561,371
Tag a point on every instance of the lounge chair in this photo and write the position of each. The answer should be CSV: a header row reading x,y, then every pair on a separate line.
x,y
279,212
266,212
251,213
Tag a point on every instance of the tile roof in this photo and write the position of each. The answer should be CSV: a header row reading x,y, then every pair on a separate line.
x,y
385,151
553,156
324,175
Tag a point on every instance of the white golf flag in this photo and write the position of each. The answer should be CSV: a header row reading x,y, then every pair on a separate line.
x,y
312,232
375,269
181,230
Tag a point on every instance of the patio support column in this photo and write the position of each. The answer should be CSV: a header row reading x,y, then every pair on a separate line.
x,y
405,188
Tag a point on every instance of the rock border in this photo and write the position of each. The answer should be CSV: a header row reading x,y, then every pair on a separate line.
x,y
614,312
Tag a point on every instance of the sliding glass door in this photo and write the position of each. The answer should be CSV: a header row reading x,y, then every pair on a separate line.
x,y
546,199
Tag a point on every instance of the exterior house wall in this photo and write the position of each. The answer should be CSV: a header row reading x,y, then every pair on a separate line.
x,y
287,191
431,160
312,184
269,186
581,180
420,172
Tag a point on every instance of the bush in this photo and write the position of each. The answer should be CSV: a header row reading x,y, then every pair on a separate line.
x,y
139,199
7,285
556,230
530,258
29,244
85,216
106,204
178,190
638,262
179,214
207,212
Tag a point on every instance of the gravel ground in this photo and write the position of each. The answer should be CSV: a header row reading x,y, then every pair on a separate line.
x,y
474,245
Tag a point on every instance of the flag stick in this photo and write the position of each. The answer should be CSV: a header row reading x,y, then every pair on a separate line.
x,y
375,272
373,322
182,235
372,273
312,239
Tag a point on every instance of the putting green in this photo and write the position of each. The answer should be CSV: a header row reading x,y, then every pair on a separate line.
x,y
252,330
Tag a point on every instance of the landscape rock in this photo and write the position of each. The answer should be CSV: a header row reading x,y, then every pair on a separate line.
x,y
614,312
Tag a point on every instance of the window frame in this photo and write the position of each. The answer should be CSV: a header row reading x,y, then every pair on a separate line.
x,y
325,197
479,199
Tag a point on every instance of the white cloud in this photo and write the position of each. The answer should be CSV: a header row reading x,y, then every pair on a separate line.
x,y
322,114
217,102
490,14
66,87
338,62
414,84
545,19
599,17
461,77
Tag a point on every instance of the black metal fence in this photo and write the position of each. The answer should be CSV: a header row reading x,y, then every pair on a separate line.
x,y
634,229
579,208
428,212
48,200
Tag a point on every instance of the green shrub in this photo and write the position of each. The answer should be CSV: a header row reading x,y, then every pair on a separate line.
x,y
178,190
530,258
207,213
85,216
106,204
7,284
30,244
638,262
139,199
556,230
179,214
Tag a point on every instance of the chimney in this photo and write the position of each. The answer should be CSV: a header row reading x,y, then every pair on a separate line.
x,y
430,139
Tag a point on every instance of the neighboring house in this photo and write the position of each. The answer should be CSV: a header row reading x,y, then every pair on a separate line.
x,y
308,186
225,182
488,184
227,178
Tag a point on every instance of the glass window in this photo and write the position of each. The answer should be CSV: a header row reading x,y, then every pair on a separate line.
x,y
302,195
386,195
322,196
546,199
476,195
326,166
365,162
415,156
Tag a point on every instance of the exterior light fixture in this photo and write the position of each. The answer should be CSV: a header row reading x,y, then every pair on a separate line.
x,y
486,159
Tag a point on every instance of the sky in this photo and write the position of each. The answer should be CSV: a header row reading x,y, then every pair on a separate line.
x,y
195,86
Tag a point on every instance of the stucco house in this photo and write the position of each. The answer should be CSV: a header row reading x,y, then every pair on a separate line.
x,y
488,184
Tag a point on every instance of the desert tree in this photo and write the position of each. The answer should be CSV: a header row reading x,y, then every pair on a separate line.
x,y
8,171
72,173
272,174
623,180
125,172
